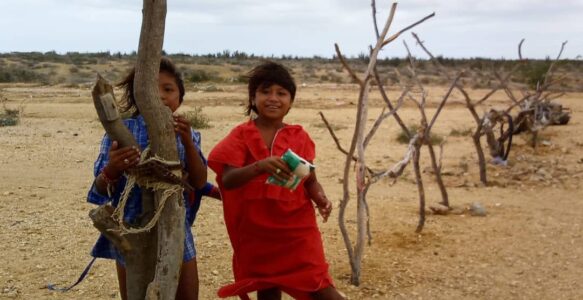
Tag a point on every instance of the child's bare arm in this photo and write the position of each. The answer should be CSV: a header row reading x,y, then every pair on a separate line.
x,y
236,177
316,193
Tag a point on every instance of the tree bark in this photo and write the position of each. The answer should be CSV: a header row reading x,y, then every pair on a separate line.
x,y
136,248
420,189
438,178
162,144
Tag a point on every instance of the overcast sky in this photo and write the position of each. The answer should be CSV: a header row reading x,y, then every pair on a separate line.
x,y
461,28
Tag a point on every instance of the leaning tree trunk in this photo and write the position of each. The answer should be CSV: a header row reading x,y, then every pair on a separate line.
x,y
481,157
162,144
438,178
136,248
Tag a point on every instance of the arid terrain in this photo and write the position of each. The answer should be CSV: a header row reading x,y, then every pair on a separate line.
x,y
529,246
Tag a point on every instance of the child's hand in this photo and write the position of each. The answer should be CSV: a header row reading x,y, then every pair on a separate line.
x,y
275,166
121,159
325,208
182,128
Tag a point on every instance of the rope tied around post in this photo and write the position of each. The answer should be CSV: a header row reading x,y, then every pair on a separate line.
x,y
152,173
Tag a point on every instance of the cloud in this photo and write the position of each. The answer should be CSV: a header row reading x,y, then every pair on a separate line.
x,y
488,28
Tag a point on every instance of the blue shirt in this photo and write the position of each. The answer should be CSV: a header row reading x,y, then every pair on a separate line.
x,y
137,126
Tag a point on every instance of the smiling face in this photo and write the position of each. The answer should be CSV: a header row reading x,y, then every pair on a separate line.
x,y
272,102
169,91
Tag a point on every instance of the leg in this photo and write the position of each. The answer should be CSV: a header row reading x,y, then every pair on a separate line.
x,y
188,282
269,294
328,293
121,278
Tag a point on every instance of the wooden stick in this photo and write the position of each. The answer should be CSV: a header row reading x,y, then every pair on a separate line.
x,y
385,98
347,67
396,35
383,116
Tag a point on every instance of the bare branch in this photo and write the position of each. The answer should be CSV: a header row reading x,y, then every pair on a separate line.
x,y
443,102
385,98
399,167
347,67
383,116
337,141
374,18
440,163
433,59
550,70
520,49
553,96
396,35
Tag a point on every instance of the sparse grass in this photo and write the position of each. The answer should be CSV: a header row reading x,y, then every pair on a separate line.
x,y
200,75
197,119
209,88
461,132
334,127
463,165
402,137
9,117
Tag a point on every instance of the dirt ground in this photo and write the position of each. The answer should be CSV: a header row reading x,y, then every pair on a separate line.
x,y
529,246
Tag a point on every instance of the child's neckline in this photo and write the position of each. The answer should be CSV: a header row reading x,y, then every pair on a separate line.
x,y
279,127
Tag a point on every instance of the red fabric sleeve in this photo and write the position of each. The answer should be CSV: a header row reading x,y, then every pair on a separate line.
x,y
230,151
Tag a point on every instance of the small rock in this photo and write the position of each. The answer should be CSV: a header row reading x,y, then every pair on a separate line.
x,y
477,210
439,209
215,272
7,193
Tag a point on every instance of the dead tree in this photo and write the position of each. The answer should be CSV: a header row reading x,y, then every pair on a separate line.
x,y
495,144
358,145
153,257
424,138
536,108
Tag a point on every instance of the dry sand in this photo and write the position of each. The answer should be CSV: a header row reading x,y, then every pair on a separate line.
x,y
529,246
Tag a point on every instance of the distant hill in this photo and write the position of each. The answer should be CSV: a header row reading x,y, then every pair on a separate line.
x,y
79,69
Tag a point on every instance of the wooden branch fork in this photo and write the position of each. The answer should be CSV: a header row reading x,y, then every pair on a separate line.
x,y
359,142
153,259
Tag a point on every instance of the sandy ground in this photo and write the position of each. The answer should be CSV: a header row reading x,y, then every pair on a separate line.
x,y
529,246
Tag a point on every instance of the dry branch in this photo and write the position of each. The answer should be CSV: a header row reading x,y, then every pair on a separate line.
x,y
358,145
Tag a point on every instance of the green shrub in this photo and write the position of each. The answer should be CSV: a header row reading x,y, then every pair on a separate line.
x,y
402,137
9,117
197,119
13,74
535,72
461,132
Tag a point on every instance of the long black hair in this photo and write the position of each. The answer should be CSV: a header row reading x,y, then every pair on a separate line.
x,y
128,101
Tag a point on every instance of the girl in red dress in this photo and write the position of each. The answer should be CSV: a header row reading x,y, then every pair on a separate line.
x,y
276,241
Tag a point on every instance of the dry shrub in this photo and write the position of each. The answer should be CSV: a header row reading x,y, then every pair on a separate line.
x,y
9,117
197,119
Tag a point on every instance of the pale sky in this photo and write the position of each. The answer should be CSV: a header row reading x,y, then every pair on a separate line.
x,y
461,28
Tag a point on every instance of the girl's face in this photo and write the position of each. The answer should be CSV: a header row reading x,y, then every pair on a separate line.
x,y
169,92
272,102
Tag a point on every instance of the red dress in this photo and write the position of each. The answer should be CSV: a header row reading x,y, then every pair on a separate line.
x,y
273,230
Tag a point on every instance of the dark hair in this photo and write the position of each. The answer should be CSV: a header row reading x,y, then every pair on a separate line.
x,y
266,75
128,101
